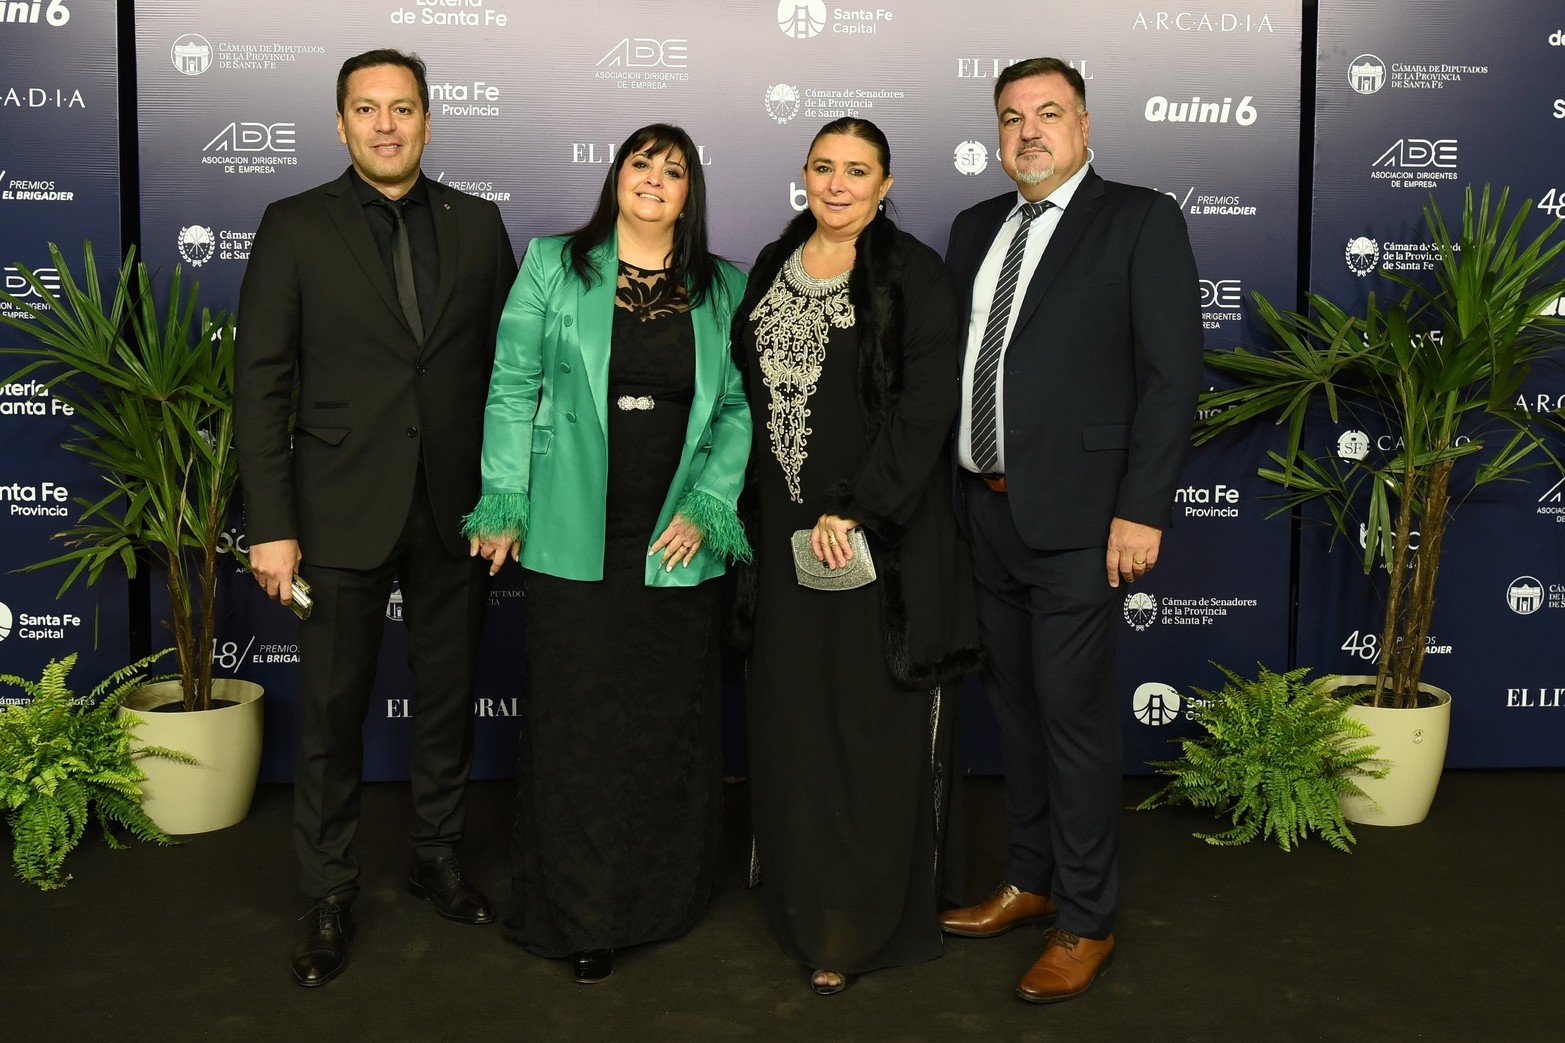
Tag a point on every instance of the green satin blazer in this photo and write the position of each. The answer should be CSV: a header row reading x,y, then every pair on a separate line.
x,y
545,455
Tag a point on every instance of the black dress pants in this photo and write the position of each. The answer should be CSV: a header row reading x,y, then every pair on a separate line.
x,y
443,600
1047,620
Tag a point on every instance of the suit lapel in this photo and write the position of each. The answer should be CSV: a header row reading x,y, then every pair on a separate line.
x,y
711,335
595,324
1083,207
977,247
347,213
448,244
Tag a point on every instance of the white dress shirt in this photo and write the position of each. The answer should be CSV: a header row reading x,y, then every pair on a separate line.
x,y
1038,236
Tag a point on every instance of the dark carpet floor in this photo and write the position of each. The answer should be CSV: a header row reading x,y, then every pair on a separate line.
x,y
1450,930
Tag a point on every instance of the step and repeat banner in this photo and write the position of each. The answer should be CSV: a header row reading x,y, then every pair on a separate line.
x,y
59,183
1412,102
528,102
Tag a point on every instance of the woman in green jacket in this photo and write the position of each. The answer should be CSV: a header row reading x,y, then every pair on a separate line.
x,y
615,441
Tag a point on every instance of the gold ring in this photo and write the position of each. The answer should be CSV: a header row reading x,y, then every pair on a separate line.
x,y
831,537
1138,561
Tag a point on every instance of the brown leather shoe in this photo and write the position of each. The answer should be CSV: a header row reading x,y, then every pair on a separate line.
x,y
1068,967
1008,907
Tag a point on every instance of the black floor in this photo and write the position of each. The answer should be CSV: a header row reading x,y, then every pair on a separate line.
x,y
1450,930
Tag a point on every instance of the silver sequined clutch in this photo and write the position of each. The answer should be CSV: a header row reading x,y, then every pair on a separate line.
x,y
814,574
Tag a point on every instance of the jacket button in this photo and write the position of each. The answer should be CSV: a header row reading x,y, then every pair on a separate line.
x,y
565,367
569,320
421,370
412,432
570,418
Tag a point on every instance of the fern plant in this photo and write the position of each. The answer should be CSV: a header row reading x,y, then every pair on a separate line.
x,y
1277,757
63,756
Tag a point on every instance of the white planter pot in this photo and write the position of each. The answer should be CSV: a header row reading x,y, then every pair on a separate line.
x,y
214,794
1413,743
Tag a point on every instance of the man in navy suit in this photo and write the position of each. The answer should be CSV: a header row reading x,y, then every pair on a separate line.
x,y
1079,387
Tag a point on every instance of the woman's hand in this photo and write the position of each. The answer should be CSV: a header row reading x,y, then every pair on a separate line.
x,y
829,540
679,541
494,550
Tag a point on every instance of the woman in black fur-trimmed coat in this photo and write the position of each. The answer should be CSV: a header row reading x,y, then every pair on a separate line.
x,y
849,340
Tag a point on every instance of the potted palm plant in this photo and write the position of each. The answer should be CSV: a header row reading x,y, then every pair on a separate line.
x,y
1442,364
152,388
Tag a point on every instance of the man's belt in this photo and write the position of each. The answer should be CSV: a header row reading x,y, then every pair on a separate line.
x,y
994,480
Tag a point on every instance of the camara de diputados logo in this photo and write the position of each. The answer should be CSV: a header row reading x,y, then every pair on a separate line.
x,y
1367,74
1524,595
191,55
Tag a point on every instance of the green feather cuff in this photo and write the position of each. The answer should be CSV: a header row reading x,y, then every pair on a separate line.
x,y
499,514
718,523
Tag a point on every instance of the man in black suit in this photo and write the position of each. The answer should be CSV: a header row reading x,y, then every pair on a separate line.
x,y
1078,394
378,294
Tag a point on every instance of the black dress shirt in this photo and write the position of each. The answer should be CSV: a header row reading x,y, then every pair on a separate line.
x,y
421,236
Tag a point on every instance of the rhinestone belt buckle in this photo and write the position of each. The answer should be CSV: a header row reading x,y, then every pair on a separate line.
x,y
634,402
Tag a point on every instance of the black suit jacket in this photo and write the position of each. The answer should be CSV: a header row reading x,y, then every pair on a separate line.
x,y
318,307
1104,366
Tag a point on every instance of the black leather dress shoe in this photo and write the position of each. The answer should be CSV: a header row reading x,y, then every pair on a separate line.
x,y
324,952
592,966
441,882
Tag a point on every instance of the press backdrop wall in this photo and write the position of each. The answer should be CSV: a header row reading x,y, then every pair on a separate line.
x,y
529,99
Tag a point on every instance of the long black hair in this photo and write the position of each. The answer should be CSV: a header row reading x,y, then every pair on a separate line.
x,y
693,264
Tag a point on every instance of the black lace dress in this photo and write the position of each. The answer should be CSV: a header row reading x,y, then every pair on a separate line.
x,y
619,790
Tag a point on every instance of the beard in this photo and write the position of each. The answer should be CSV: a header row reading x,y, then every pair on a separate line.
x,y
1035,177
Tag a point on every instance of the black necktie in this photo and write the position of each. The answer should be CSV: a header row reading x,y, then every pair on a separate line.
x,y
984,431
402,266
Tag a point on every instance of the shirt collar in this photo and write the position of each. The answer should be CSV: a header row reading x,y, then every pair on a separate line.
x,y
1060,197
368,194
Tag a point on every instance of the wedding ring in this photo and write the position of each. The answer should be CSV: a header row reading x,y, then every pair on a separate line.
x,y
1139,561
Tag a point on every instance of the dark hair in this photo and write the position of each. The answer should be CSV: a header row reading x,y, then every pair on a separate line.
x,y
1041,67
692,263
881,226
858,128
384,56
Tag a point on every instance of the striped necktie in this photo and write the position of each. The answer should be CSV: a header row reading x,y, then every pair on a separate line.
x,y
985,430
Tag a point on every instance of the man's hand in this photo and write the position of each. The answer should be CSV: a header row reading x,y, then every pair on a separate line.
x,y
1132,550
273,564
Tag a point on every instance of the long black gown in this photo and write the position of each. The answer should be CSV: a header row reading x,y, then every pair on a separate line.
x,y
619,787
843,761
